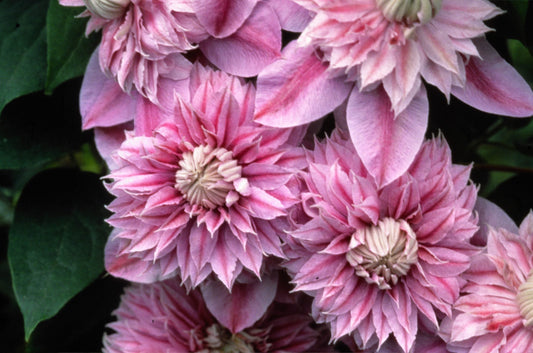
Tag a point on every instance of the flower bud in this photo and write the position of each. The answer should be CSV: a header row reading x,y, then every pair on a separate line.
x,y
107,9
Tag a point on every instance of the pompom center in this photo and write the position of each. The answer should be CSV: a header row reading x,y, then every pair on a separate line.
x,y
409,11
525,300
206,175
107,9
384,252
220,340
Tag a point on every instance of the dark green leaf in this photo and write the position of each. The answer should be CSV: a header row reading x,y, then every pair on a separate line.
x,y
68,48
528,25
36,128
507,153
522,60
84,318
56,241
22,48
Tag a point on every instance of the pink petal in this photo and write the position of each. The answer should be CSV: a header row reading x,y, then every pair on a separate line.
x,y
465,326
224,263
254,46
264,205
292,16
386,145
128,267
147,117
266,176
109,139
489,343
246,303
492,215
72,2
494,86
222,18
296,89
201,245
102,101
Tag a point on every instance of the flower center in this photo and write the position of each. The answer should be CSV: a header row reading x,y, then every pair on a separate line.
x,y
525,300
383,253
206,176
108,9
409,11
220,340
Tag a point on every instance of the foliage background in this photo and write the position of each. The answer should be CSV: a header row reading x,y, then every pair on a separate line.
x,y
54,293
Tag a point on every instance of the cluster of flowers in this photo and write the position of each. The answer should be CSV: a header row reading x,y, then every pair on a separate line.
x,y
244,233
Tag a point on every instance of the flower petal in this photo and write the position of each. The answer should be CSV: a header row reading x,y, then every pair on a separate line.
x,y
296,89
494,86
222,18
246,303
102,101
246,52
386,145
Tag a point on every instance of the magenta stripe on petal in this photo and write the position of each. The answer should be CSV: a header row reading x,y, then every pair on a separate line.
x,y
296,89
221,18
494,86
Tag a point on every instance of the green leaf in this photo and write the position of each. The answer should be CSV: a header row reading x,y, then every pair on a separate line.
x,y
84,317
22,48
68,49
521,58
507,152
56,241
36,129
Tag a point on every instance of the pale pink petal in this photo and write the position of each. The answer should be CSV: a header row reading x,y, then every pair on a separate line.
x,y
292,16
222,18
102,101
490,343
386,144
494,86
246,303
129,267
264,205
109,139
256,44
438,47
224,263
296,89
147,117
492,215
72,2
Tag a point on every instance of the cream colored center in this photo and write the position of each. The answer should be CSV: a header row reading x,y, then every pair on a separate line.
x,y
220,340
108,9
206,176
383,253
525,300
409,11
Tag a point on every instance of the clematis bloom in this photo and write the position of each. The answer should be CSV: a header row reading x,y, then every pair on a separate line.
x,y
495,314
163,317
206,192
143,41
377,53
376,259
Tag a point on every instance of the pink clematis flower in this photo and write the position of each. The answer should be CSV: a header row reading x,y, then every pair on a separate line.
x,y
163,317
206,192
143,41
377,259
376,53
495,314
